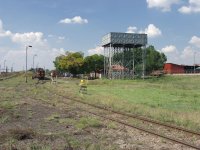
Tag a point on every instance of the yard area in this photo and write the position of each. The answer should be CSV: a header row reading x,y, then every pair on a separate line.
x,y
32,117
173,99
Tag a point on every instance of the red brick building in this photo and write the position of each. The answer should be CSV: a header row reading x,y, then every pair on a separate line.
x,y
171,68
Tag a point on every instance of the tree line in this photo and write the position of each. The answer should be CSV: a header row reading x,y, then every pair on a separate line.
x,y
75,62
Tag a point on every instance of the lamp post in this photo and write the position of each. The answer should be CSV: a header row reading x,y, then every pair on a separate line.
x,y
4,65
26,61
12,67
194,62
33,61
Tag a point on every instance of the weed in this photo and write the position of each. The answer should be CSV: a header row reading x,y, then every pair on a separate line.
x,y
4,119
38,147
21,134
30,115
94,146
7,105
17,115
88,122
111,125
53,117
66,120
72,142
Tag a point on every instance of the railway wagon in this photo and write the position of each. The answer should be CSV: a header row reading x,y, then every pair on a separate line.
x,y
39,73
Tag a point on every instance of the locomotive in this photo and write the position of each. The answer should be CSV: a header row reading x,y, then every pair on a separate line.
x,y
39,74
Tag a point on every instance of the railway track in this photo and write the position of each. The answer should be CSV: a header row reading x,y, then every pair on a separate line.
x,y
126,116
9,77
143,119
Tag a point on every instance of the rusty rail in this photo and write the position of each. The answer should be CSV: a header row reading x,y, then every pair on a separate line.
x,y
136,117
146,130
139,118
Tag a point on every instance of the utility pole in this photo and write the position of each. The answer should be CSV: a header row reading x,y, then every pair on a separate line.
x,y
26,61
194,62
4,65
144,62
33,61
110,63
133,64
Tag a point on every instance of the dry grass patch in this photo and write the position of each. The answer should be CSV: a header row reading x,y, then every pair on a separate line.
x,y
21,134
85,122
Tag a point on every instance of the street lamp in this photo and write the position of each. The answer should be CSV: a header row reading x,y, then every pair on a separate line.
x,y
12,67
26,61
194,62
4,65
33,61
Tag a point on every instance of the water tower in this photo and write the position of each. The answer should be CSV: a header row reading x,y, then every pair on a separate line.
x,y
119,54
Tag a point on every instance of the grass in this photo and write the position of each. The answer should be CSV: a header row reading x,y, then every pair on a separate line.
x,y
4,119
53,117
173,99
85,122
66,120
157,94
7,105
21,134
37,147
18,112
111,125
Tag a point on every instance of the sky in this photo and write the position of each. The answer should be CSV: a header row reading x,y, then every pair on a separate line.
x,y
53,27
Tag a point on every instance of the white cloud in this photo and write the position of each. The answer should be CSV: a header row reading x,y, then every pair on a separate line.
x,y
97,50
164,5
61,37
152,31
16,56
193,7
195,41
75,20
187,53
185,57
34,38
50,36
45,57
131,29
4,33
169,49
173,55
1,25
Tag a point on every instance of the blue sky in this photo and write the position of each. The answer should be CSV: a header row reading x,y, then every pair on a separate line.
x,y
52,27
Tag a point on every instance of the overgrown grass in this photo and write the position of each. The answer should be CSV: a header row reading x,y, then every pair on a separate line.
x,y
53,117
7,105
4,119
174,99
17,104
88,122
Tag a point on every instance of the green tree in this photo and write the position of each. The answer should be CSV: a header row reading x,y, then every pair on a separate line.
x,y
57,63
154,59
70,62
93,63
